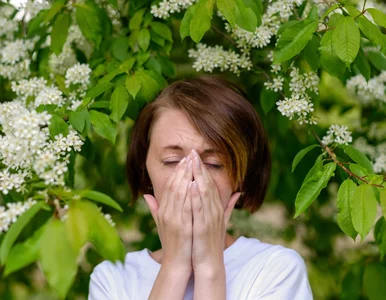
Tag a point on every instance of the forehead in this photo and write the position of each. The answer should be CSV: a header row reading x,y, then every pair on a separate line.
x,y
173,127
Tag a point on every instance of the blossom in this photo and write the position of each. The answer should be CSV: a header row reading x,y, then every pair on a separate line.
x,y
276,85
28,87
15,51
295,107
167,7
337,134
49,95
78,74
368,92
208,58
13,211
380,164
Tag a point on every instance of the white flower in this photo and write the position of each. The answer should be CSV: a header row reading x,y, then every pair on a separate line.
x,y
78,74
49,95
208,58
15,51
29,88
276,85
380,164
10,215
337,134
167,7
109,219
66,59
368,92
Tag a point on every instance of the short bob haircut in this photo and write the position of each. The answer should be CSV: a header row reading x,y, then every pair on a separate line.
x,y
219,111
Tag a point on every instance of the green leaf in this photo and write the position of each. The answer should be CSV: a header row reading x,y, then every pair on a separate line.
x,y
311,189
118,103
358,157
318,166
334,20
23,254
358,170
149,86
311,54
77,224
377,59
153,64
382,199
286,25
162,30
78,119
293,40
378,16
186,20
345,193
246,17
53,11
136,20
57,257
14,231
363,209
100,104
101,198
59,33
362,64
103,126
228,10
346,40
120,48
301,154
374,281
329,10
144,39
99,89
57,126
89,23
328,59
201,20
352,284
133,84
268,98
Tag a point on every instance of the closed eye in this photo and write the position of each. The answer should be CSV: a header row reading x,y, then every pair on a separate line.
x,y
212,166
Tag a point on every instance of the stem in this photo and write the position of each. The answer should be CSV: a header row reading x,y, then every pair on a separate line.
x,y
333,157
224,35
364,4
326,29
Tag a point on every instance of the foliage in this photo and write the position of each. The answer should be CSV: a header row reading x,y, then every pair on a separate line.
x,y
75,74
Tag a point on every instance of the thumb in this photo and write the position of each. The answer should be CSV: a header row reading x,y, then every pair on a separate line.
x,y
230,207
153,206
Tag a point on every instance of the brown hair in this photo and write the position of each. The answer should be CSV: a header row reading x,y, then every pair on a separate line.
x,y
222,115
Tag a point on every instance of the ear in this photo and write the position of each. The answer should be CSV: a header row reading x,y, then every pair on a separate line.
x,y
153,206
231,204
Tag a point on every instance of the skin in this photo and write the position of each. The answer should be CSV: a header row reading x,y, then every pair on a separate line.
x,y
192,203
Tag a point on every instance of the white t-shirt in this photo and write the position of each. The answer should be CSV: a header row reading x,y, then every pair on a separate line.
x,y
254,270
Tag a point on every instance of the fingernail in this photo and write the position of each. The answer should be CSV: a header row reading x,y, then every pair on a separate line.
x,y
194,183
197,161
182,161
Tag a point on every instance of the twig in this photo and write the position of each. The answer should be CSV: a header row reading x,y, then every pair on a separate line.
x,y
224,35
333,157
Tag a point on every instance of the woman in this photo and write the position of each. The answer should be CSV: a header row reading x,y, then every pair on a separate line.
x,y
195,151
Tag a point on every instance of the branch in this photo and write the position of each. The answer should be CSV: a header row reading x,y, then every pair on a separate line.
x,y
333,157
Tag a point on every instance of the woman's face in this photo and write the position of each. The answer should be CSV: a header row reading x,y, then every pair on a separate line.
x,y
172,138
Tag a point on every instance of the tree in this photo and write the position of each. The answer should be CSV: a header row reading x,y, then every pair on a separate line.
x,y
74,75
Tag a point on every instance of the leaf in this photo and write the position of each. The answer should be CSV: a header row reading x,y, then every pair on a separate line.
x,y
345,193
89,23
57,257
346,40
311,54
14,231
168,68
53,11
246,17
318,166
293,40
103,126
358,157
133,84
380,236
77,224
311,189
149,86
329,10
377,59
100,104
186,20
328,59
378,16
362,64
101,198
363,209
268,99
374,281
301,154
136,20
120,48
228,10
57,126
99,89
118,103
201,20
78,119
23,254
382,200
59,33
358,170
162,30
144,39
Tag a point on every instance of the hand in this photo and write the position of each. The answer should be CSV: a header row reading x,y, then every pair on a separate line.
x,y
173,217
209,219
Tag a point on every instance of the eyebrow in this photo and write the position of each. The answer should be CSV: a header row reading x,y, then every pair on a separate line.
x,y
179,148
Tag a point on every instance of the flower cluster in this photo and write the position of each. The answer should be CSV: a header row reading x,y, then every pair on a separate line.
x,y
277,13
208,58
10,215
33,7
337,134
368,92
8,26
79,74
377,153
299,104
167,7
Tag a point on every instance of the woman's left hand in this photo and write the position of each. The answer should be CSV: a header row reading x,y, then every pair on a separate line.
x,y
209,219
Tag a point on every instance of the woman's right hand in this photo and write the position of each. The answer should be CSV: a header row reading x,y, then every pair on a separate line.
x,y
174,220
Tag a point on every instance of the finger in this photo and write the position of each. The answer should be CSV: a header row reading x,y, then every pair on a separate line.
x,y
197,207
231,204
205,186
153,206
187,216
178,170
180,195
